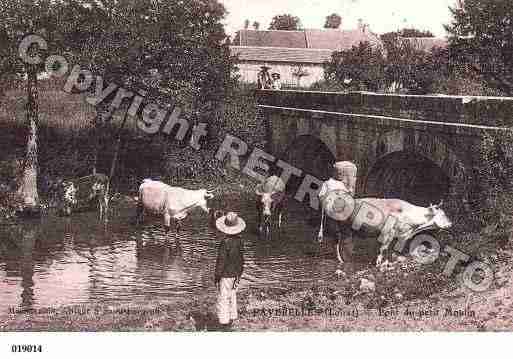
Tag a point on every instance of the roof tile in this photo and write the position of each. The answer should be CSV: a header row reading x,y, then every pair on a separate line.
x,y
281,54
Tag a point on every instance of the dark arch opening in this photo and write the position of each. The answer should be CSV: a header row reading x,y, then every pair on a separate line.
x,y
311,156
408,176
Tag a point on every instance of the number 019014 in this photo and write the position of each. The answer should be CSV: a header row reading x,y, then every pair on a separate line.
x,y
26,348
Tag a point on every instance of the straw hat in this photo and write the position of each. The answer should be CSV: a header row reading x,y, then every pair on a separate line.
x,y
231,223
275,75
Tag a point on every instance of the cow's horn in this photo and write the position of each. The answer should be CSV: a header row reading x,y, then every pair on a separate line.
x,y
441,203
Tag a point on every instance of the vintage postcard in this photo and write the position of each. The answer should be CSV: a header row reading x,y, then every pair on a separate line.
x,y
255,166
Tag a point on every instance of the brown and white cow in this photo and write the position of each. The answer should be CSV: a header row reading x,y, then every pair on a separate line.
x,y
270,202
170,202
83,192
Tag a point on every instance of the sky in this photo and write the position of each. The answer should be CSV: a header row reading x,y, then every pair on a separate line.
x,y
381,15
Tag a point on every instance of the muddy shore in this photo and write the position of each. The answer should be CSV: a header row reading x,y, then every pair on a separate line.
x,y
339,307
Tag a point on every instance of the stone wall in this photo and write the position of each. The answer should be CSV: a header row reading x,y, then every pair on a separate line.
x,y
367,128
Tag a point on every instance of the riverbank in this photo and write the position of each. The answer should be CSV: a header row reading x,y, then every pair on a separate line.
x,y
405,297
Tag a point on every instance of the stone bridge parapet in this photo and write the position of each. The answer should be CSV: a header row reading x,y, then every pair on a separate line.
x,y
403,144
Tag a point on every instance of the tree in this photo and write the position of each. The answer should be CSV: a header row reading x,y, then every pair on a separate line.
x,y
125,43
412,32
412,68
246,24
333,21
391,37
20,19
361,68
481,36
299,72
175,53
285,22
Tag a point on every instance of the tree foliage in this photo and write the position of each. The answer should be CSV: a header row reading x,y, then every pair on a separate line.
x,y
174,51
130,42
333,21
399,65
496,202
412,32
482,37
285,22
361,68
413,68
22,18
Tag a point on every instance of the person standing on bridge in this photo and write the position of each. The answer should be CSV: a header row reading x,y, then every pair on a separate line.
x,y
344,180
263,78
229,267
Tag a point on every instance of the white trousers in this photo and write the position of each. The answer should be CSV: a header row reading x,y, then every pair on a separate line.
x,y
226,301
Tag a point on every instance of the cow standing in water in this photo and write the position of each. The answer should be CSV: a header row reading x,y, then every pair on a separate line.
x,y
270,203
169,202
83,192
410,219
343,181
369,216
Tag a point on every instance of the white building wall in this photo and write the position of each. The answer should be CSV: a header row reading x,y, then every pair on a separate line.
x,y
248,72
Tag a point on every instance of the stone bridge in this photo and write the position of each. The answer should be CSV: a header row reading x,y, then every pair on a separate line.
x,y
417,148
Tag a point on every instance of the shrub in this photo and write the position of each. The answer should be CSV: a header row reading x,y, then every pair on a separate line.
x,y
496,197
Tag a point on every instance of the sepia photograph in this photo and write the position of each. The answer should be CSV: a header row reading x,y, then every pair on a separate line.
x,y
257,166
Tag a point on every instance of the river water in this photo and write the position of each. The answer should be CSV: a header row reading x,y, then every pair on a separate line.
x,y
72,261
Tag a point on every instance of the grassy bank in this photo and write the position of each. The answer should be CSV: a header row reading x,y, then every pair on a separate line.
x,y
66,142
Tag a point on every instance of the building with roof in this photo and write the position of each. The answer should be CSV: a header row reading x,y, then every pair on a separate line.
x,y
298,56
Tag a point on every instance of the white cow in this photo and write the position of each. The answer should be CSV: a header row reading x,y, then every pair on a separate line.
x,y
410,218
171,202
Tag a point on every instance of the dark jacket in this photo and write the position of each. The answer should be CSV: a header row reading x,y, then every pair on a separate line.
x,y
230,258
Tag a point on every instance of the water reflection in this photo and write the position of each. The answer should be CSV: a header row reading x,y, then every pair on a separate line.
x,y
27,243
69,261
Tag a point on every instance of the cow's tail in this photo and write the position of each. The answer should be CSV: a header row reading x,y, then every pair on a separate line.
x,y
320,235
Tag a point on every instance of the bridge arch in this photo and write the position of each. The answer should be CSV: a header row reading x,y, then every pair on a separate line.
x,y
414,166
311,155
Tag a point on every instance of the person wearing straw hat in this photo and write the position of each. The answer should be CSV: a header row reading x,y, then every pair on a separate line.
x,y
229,267
276,84
264,79
337,190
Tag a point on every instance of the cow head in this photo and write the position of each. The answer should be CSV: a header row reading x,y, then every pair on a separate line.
x,y
208,194
438,216
67,197
97,190
204,195
267,199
